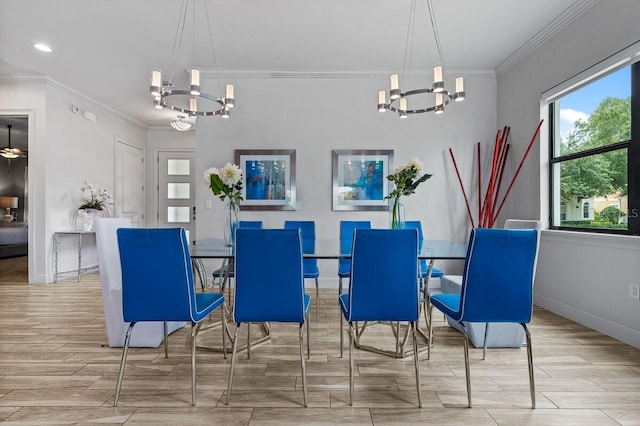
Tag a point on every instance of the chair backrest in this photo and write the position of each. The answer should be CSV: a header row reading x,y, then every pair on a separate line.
x,y
346,237
307,233
384,275
157,279
269,276
253,224
498,273
108,252
527,224
416,224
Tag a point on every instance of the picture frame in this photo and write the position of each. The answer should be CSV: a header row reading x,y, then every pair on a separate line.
x,y
268,178
360,179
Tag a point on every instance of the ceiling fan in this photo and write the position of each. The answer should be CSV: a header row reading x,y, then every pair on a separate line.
x,y
10,152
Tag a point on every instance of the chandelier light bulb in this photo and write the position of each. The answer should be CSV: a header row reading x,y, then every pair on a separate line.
x,y
157,104
382,101
439,103
194,87
438,81
394,93
403,108
193,104
229,100
156,84
459,95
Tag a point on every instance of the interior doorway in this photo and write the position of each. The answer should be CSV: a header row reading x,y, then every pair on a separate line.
x,y
14,193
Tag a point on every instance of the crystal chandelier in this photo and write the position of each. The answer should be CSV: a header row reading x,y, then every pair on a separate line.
x,y
399,100
189,101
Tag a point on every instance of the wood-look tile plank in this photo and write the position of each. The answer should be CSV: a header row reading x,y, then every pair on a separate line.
x,y
193,416
594,399
550,417
70,415
625,416
481,399
431,416
311,416
276,398
385,399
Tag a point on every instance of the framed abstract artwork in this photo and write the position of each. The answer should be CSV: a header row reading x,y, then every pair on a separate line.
x,y
359,179
269,178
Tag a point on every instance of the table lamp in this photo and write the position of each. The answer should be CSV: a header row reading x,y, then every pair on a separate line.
x,y
8,203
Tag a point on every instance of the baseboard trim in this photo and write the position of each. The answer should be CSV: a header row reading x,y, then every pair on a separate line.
x,y
613,329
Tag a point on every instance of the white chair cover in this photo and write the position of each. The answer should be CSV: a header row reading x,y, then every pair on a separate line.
x,y
145,334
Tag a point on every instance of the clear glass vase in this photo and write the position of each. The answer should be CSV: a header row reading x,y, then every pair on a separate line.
x,y
231,215
396,214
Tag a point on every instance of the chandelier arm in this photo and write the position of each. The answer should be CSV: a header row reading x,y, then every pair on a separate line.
x,y
165,103
446,99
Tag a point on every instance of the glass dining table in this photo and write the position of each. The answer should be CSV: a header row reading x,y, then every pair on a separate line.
x,y
430,250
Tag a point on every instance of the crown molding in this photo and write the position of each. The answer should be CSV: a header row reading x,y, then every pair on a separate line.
x,y
346,75
52,82
569,15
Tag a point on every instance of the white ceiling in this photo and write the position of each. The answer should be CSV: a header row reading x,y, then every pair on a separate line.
x,y
106,49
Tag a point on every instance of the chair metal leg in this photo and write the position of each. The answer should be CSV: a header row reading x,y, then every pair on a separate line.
x,y
341,332
317,301
233,363
429,330
466,365
352,339
166,340
304,370
532,385
308,341
194,332
123,361
484,347
416,361
224,331
248,340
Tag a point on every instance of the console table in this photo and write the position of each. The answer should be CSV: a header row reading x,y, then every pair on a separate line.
x,y
78,234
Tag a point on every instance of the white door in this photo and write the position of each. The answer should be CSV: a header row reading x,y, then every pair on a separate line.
x,y
176,191
129,183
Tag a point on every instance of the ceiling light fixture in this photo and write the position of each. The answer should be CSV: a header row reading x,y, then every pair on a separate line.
x,y
181,125
10,152
43,47
165,96
399,100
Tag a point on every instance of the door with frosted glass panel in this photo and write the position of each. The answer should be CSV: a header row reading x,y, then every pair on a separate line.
x,y
176,191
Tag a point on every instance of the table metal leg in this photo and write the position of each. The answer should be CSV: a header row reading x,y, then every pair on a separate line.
x,y
79,255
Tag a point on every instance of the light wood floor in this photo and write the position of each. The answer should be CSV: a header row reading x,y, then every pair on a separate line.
x,y
56,369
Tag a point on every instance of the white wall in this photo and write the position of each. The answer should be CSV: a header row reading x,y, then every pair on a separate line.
x,y
317,115
583,277
64,150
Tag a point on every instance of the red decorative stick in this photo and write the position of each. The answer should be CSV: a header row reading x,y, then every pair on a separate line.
x,y
533,139
479,185
466,200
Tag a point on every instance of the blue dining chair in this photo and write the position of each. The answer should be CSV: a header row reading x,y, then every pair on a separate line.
x,y
344,265
383,286
226,270
435,272
497,283
309,266
157,285
270,286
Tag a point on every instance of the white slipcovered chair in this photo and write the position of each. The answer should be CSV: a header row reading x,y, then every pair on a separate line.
x,y
145,334
498,335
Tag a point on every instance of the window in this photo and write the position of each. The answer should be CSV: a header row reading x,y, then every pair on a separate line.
x,y
595,164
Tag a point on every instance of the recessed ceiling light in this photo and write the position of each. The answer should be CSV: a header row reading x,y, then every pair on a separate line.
x,y
43,47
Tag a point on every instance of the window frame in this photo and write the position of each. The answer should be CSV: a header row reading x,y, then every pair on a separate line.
x,y
633,161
